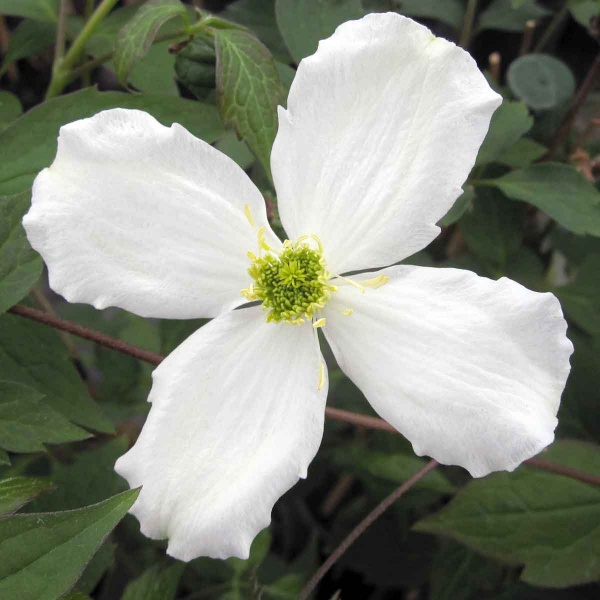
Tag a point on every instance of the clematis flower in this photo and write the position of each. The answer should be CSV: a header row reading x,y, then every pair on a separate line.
x,y
382,127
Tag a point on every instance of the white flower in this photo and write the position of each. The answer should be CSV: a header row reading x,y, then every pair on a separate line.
x,y
382,128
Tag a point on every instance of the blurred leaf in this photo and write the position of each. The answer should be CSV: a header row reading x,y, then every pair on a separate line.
x,y
42,555
195,65
287,587
157,583
10,109
521,154
493,227
548,522
259,16
174,332
137,35
581,298
27,422
462,203
97,567
506,16
4,458
20,265
248,90
584,10
30,37
17,491
541,81
575,247
451,12
155,72
42,10
557,189
510,122
89,479
76,595
236,150
460,574
29,144
33,354
527,268
303,23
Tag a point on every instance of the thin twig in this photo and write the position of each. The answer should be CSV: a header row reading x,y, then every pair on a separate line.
x,y
335,414
495,66
363,526
565,127
527,39
61,31
553,27
467,28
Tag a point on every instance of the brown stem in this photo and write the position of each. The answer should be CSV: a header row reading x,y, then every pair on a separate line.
x,y
363,526
586,87
335,414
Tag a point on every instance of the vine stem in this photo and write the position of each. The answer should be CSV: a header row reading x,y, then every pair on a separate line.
x,y
363,526
336,414
467,28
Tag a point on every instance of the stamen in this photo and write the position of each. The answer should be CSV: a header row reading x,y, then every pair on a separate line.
x,y
249,216
347,312
353,283
319,323
376,282
321,376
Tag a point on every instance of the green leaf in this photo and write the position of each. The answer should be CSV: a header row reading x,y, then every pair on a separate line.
x,y
248,90
136,37
157,583
557,189
27,422
102,41
89,479
30,37
581,298
541,81
29,144
17,491
451,12
510,122
10,109
506,16
42,555
462,204
195,65
33,354
20,265
155,73
521,154
42,10
303,23
493,228
545,521
584,10
259,17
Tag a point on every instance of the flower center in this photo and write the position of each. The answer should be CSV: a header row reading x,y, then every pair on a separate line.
x,y
293,285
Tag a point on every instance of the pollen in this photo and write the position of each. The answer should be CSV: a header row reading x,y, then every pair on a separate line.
x,y
293,285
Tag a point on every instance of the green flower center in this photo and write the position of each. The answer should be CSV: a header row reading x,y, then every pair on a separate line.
x,y
293,285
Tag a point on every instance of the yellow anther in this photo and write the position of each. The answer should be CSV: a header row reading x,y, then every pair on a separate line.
x,y
376,282
321,376
262,241
319,244
353,283
348,311
251,255
249,216
319,323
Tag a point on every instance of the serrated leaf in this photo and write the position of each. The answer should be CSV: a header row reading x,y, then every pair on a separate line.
x,y
33,354
548,522
493,227
20,265
506,16
17,491
248,90
510,122
10,109
136,37
29,144
557,189
30,37
581,298
27,422
451,12
42,10
303,23
156,583
541,81
42,555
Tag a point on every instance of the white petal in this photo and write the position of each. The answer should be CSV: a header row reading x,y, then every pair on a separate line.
x,y
144,217
470,370
236,418
382,128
